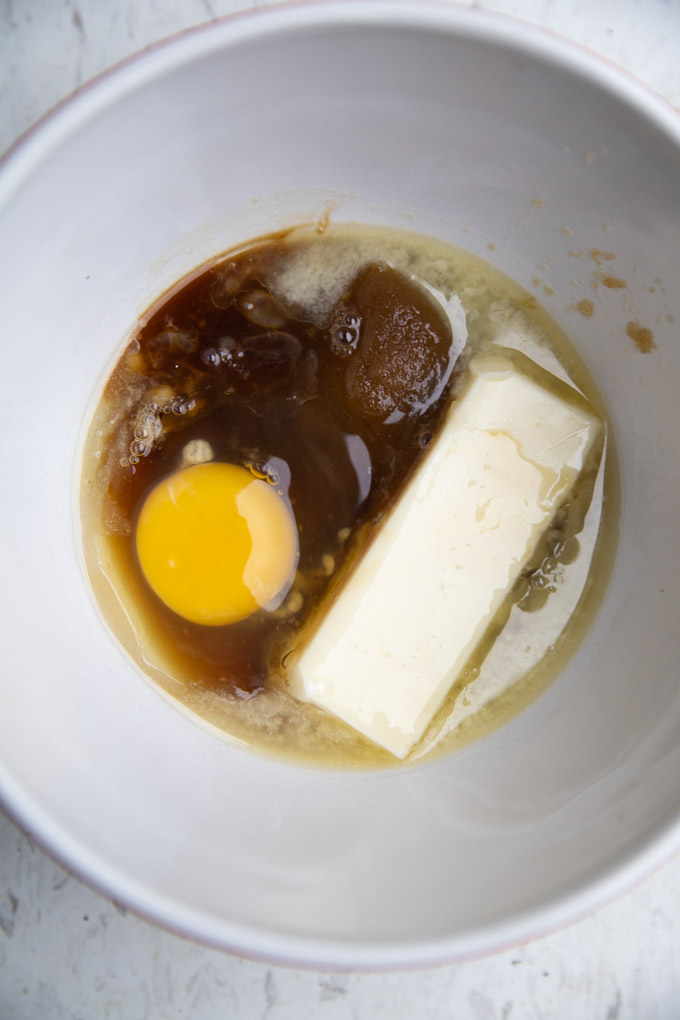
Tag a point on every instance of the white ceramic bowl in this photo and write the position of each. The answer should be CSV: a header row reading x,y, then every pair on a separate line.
x,y
460,120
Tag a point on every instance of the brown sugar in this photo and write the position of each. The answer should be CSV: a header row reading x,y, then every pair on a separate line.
x,y
601,256
585,307
613,282
642,337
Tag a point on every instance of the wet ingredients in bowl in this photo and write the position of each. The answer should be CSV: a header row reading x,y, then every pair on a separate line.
x,y
347,496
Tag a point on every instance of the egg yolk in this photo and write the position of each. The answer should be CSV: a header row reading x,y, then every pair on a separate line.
x,y
216,544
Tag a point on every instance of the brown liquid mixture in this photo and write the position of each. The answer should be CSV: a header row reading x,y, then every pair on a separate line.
x,y
335,416
325,366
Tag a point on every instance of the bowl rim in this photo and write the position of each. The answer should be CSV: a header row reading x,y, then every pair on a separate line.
x,y
23,157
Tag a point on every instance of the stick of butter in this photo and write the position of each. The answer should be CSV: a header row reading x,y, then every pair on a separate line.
x,y
422,596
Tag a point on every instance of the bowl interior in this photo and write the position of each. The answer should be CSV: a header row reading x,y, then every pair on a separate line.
x,y
443,121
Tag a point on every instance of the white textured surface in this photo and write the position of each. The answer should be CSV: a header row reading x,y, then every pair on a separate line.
x,y
66,952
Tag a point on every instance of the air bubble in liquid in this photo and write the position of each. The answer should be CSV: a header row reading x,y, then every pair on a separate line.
x,y
345,332
263,471
146,430
210,357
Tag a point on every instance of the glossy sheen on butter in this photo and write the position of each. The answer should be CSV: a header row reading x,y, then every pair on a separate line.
x,y
416,606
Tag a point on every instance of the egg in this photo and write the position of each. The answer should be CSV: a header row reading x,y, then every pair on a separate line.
x,y
216,544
